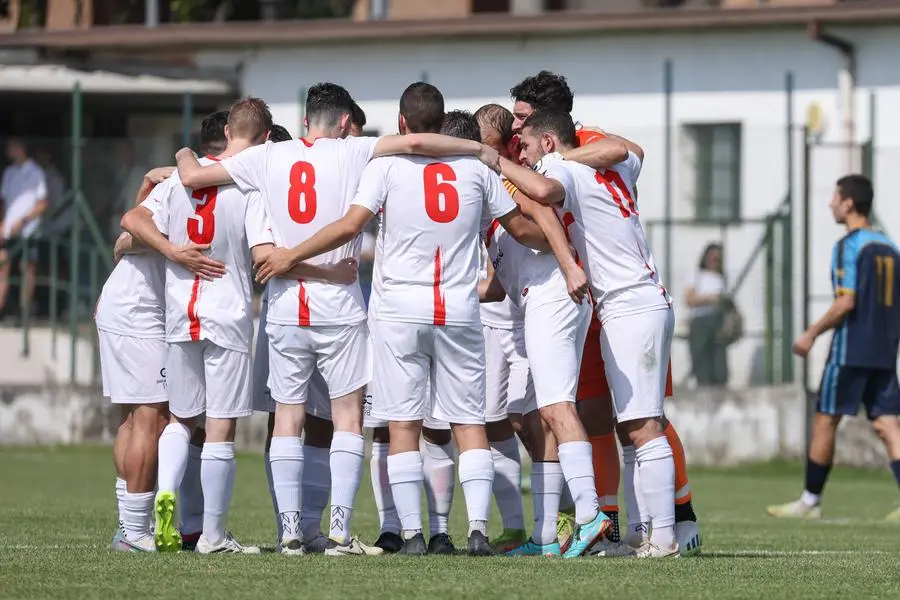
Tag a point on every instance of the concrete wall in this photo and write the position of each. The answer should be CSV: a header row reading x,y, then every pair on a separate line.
x,y
718,428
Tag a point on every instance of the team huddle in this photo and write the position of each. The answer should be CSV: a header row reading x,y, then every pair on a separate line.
x,y
514,298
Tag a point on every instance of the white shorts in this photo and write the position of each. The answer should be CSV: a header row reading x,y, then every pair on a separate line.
x,y
508,385
406,353
133,369
340,352
318,402
370,422
636,351
554,337
204,377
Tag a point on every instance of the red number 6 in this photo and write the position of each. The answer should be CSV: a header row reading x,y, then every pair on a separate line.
x,y
437,178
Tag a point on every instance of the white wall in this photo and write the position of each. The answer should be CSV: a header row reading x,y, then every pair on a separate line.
x,y
736,76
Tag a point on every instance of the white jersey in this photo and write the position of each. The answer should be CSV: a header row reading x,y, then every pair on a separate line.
x,y
528,275
375,292
307,185
431,246
498,315
133,300
233,223
600,216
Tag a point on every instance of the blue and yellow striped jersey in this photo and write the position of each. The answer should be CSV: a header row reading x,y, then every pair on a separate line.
x,y
865,263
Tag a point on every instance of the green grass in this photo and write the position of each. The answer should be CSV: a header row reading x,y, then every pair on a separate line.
x,y
57,516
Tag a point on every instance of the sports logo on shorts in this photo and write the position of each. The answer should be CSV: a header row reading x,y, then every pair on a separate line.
x,y
162,378
524,292
367,405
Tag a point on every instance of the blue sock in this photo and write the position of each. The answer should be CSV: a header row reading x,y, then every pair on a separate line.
x,y
895,468
816,476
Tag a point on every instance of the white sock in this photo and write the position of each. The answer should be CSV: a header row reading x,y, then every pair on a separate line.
x,y
638,516
547,483
217,476
381,487
440,481
809,499
190,503
657,469
508,482
173,457
578,468
476,475
406,477
566,502
347,453
316,484
121,488
136,518
268,468
286,458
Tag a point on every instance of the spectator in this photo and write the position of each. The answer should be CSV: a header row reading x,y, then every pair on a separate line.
x,y
704,296
24,192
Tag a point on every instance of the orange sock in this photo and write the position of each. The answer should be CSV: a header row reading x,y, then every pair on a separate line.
x,y
682,487
607,470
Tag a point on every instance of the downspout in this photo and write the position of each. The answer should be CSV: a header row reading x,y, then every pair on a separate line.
x,y
846,89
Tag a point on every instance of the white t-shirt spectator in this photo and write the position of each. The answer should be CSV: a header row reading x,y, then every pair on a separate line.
x,y
706,283
23,186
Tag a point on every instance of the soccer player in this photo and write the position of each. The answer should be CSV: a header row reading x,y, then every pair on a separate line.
x,y
209,330
862,361
634,308
317,478
358,121
427,323
130,318
555,328
548,91
313,324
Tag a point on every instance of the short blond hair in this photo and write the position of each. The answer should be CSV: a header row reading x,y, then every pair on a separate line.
x,y
249,119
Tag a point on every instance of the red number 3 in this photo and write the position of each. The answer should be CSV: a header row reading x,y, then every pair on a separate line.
x,y
201,226
302,193
437,178
612,180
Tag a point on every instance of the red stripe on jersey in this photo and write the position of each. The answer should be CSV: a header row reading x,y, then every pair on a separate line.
x,y
492,228
211,157
307,143
440,309
193,317
303,313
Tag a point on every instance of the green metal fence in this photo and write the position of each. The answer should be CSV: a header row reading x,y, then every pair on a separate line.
x,y
77,261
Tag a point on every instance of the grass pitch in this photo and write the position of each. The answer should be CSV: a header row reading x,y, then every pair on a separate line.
x,y
57,516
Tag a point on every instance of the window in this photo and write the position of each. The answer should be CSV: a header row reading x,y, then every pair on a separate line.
x,y
370,132
716,182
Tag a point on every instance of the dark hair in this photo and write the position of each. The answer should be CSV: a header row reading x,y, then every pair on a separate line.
x,y
859,189
327,103
358,116
422,105
212,132
544,91
461,124
496,118
710,248
249,119
548,121
279,134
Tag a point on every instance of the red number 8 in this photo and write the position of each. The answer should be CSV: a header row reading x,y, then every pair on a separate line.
x,y
437,178
302,193
201,226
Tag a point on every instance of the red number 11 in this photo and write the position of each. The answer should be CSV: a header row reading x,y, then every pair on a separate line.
x,y
614,184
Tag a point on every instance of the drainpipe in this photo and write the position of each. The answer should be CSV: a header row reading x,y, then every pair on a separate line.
x,y
846,88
